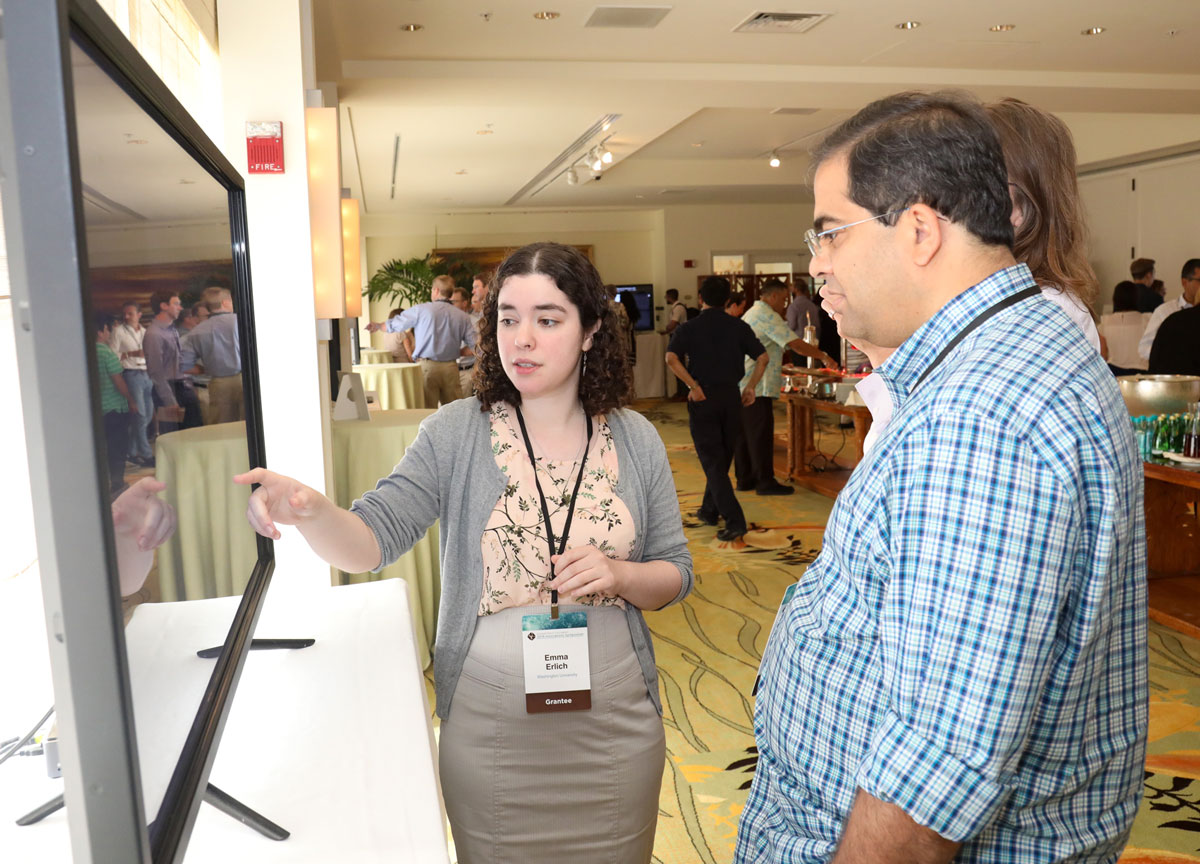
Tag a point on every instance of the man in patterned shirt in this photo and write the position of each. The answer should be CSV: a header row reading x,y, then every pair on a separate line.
x,y
961,674
754,458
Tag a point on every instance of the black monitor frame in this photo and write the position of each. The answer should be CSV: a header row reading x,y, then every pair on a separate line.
x,y
43,210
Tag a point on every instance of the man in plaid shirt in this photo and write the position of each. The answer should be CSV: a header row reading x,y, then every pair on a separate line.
x,y
961,674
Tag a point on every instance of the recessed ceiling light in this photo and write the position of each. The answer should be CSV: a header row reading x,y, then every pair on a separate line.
x,y
1092,31
774,160
461,171
697,143
545,16
1002,28
908,25
412,28
483,131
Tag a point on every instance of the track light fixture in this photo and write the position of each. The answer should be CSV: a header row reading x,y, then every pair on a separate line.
x,y
572,176
774,160
606,156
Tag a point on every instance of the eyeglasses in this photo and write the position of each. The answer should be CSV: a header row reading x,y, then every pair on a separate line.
x,y
816,241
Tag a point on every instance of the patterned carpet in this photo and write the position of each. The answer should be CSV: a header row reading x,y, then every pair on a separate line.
x,y
708,649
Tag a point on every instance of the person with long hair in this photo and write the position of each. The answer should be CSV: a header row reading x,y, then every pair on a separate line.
x,y
546,489
1049,230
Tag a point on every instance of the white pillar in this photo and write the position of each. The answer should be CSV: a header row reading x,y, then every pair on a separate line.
x,y
262,79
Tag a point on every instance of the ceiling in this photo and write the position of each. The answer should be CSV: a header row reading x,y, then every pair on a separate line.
x,y
485,96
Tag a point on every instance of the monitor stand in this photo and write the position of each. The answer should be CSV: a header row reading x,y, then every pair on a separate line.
x,y
214,796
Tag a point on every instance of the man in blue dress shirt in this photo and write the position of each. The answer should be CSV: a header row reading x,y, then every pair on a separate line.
x,y
439,331
961,674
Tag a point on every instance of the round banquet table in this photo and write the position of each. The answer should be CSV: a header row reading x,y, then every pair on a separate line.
x,y
396,385
213,550
365,451
374,355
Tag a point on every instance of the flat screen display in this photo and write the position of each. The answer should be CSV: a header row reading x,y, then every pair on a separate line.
x,y
642,297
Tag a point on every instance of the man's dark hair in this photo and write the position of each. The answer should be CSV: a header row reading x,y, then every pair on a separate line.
x,y
1191,269
772,286
1125,297
671,295
937,149
482,277
714,291
158,298
1140,267
103,319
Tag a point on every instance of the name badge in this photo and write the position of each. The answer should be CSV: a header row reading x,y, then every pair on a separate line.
x,y
787,595
558,674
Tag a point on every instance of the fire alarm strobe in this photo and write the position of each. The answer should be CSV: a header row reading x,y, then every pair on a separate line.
x,y
264,147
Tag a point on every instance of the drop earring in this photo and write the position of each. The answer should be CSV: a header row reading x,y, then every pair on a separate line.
x,y
583,371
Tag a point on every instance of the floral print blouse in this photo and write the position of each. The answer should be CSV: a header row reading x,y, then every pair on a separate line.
x,y
516,560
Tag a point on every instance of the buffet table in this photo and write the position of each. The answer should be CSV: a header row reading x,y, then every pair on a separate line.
x,y
801,443
396,385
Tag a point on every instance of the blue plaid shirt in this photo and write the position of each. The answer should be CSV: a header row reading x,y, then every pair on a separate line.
x,y
970,645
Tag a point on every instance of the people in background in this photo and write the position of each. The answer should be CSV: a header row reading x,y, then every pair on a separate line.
x,y
479,283
736,304
935,688
439,332
1176,349
754,456
398,342
214,343
1190,290
1122,331
676,311
126,343
626,299
500,471
460,299
1141,271
714,344
802,311
190,317
174,395
117,403
624,325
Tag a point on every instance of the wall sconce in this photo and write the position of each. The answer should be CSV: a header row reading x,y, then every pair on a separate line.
x,y
351,250
325,211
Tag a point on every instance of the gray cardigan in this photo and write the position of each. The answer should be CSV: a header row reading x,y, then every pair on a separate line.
x,y
449,473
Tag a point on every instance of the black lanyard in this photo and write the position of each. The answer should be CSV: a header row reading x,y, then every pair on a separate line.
x,y
546,510
962,334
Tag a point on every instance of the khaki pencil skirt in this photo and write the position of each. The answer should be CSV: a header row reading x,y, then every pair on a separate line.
x,y
580,786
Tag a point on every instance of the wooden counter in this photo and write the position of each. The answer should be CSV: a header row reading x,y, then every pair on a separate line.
x,y
1173,546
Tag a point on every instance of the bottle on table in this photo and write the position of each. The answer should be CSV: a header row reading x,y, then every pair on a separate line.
x,y
1191,435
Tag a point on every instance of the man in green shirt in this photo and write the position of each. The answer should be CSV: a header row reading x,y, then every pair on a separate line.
x,y
116,403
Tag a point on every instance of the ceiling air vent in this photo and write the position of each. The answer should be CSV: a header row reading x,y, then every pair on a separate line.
x,y
781,22
643,17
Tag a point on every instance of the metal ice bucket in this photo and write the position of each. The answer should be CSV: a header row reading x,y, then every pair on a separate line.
x,y
1159,394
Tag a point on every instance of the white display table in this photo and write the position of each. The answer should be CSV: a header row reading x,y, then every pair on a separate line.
x,y
332,742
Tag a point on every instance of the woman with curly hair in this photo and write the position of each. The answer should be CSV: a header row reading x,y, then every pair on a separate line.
x,y
547,490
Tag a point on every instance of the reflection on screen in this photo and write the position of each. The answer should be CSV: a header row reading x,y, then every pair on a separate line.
x,y
169,384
